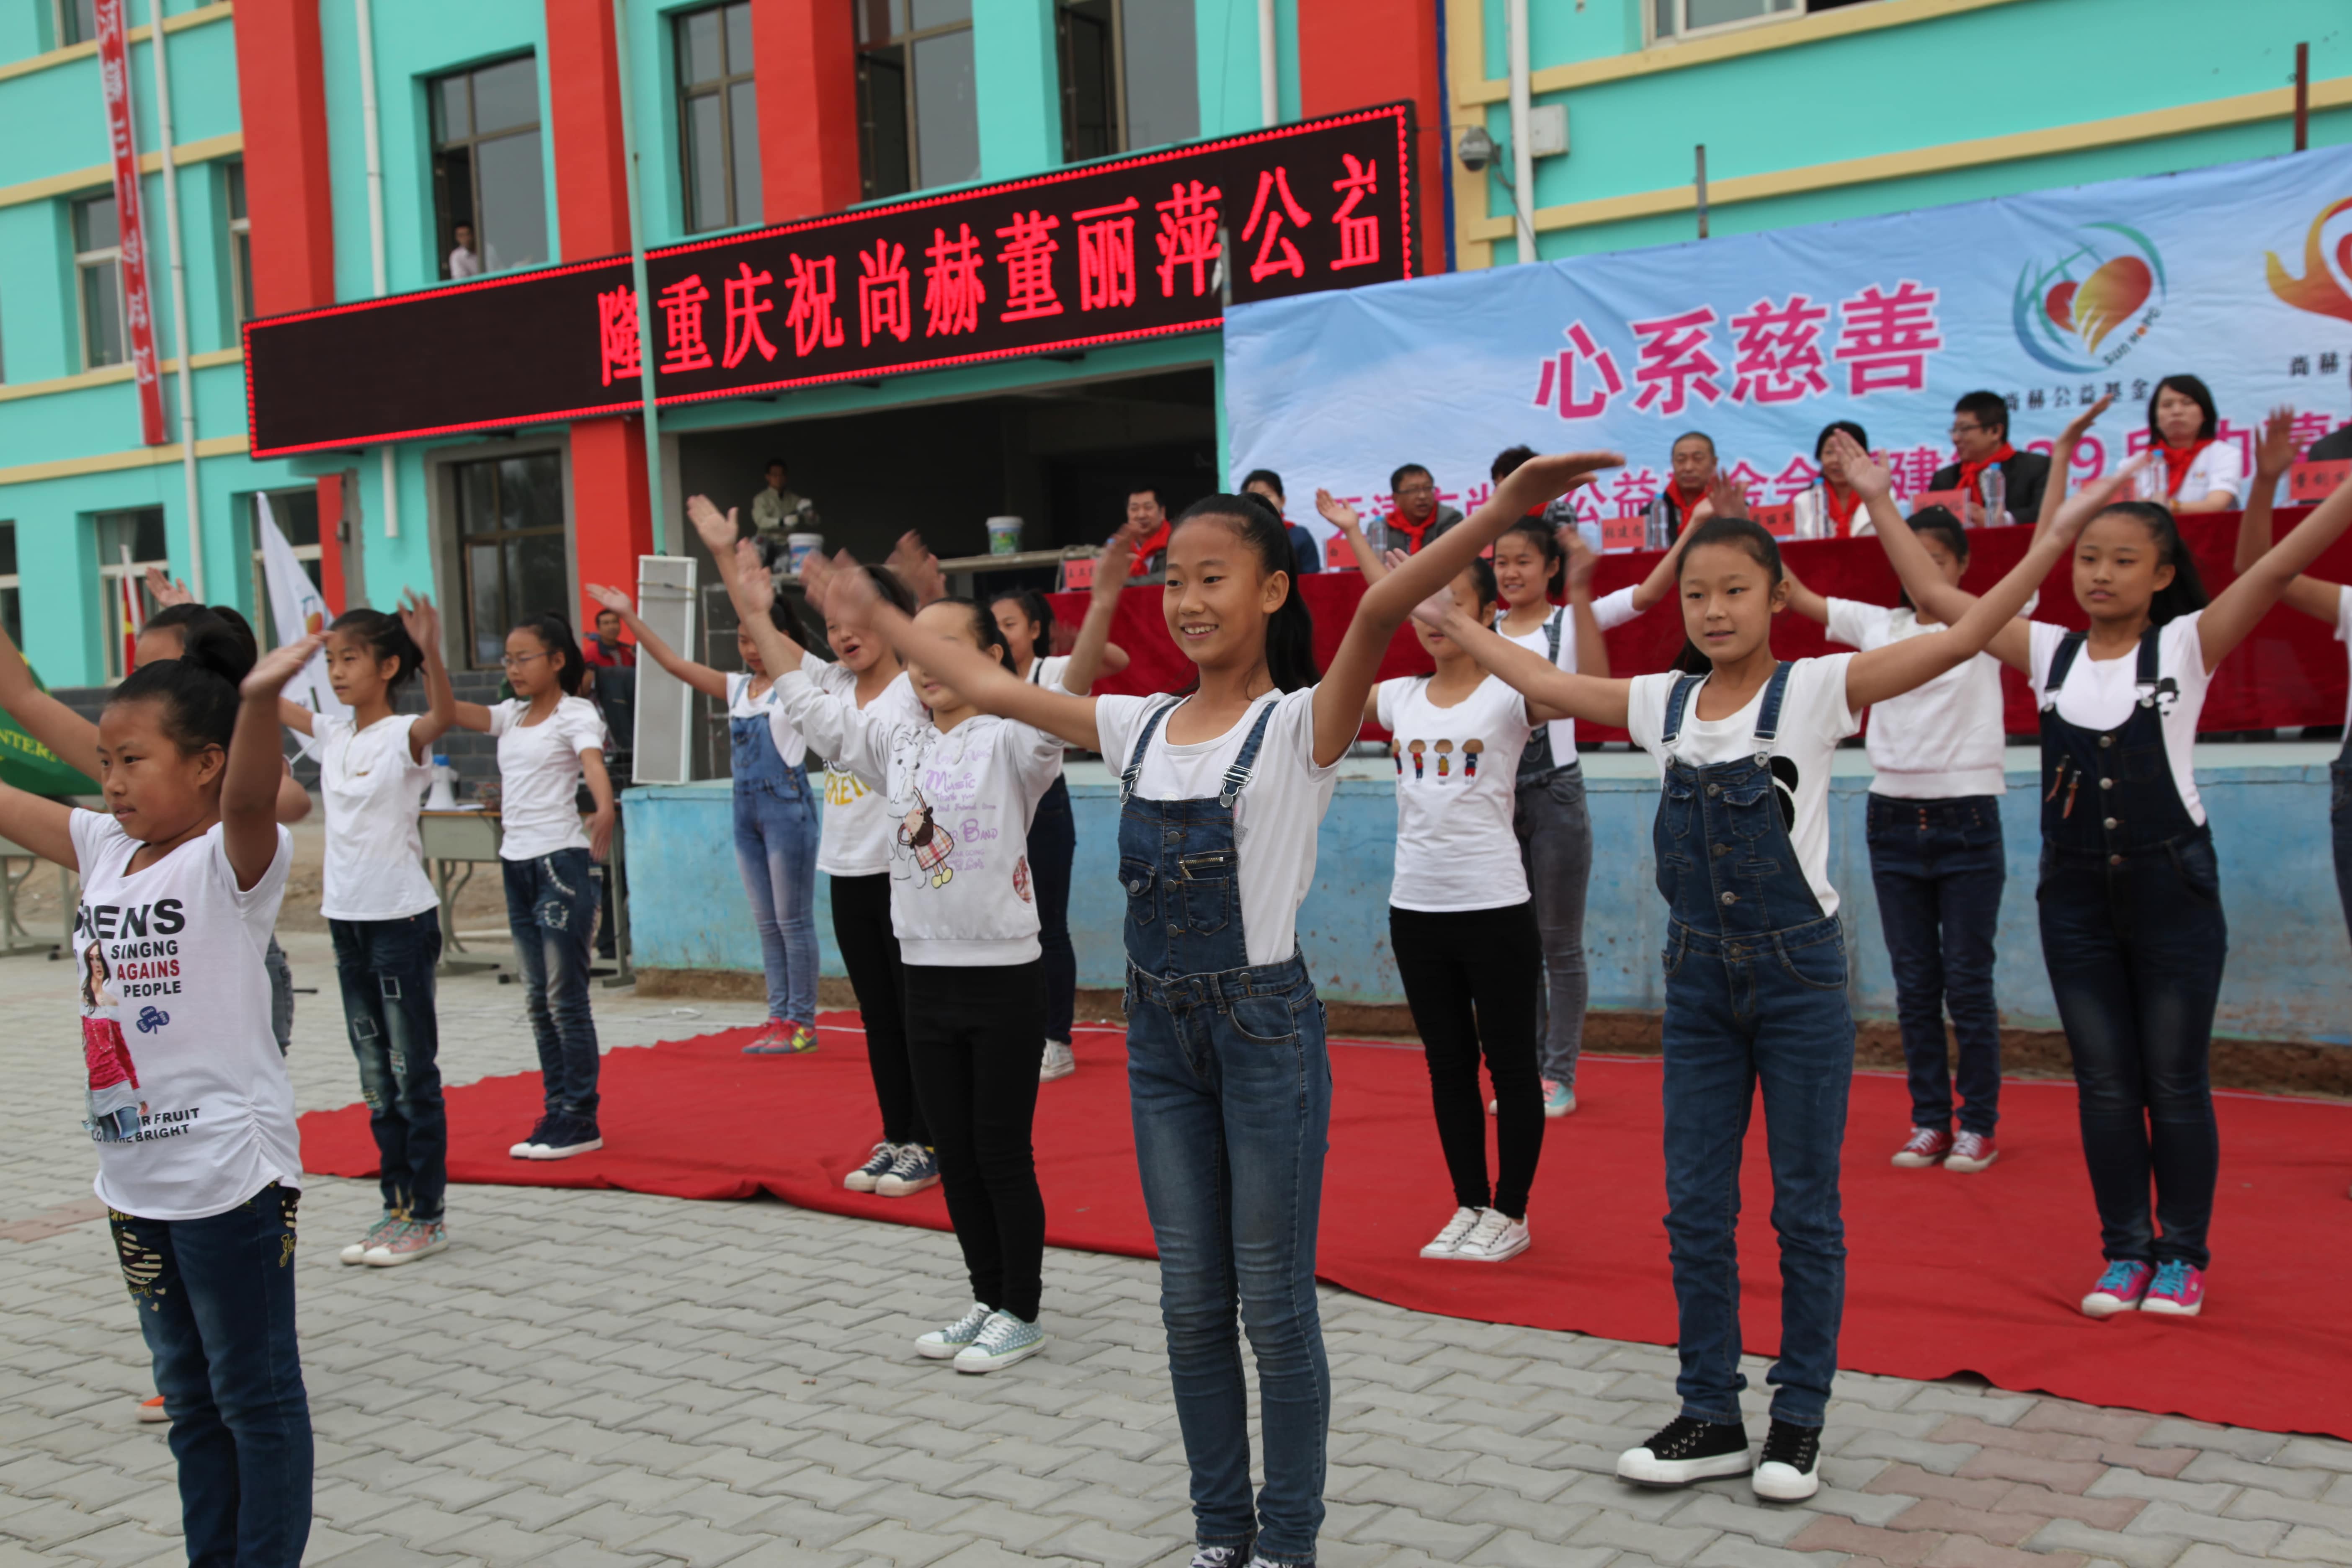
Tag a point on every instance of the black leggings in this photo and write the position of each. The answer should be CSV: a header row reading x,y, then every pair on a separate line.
x,y
976,1036
1471,978
869,951
1053,843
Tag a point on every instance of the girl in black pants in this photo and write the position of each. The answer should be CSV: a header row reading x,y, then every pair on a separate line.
x,y
1462,924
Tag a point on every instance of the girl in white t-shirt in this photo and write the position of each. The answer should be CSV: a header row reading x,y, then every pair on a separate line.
x,y
2130,898
198,1161
551,739
1027,623
381,911
776,823
1223,790
1755,962
2193,470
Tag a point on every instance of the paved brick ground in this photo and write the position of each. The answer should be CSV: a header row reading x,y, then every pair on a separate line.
x,y
589,1380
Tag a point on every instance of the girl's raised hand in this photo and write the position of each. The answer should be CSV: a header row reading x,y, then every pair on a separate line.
x,y
611,598
1432,611
1543,479
752,583
1864,475
1109,581
918,567
1394,558
2078,426
1582,558
164,591
420,620
2092,498
268,677
717,530
2275,450
840,588
1336,512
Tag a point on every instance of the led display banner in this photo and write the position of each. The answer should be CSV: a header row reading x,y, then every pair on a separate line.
x,y
1110,252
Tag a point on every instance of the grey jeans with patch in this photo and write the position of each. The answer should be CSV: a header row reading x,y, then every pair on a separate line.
x,y
1556,846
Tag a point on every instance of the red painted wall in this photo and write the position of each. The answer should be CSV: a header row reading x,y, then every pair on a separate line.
x,y
331,581
1357,52
592,190
805,59
613,522
282,97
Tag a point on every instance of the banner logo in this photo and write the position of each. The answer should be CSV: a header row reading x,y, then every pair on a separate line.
x,y
2109,286
2320,290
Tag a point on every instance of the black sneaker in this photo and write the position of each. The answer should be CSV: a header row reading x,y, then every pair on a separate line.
x,y
535,1146
1791,1469
1686,1449
571,1135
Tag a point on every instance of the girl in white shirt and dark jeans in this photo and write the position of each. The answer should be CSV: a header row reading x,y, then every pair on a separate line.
x,y
549,740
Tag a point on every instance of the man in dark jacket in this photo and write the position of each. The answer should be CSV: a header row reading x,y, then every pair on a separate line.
x,y
1980,441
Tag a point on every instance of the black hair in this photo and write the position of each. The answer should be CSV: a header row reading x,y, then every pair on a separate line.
x,y
1948,530
182,618
778,463
1821,441
1290,630
2196,391
2184,594
1507,461
199,691
1691,436
983,627
1989,409
1397,478
1266,477
236,623
553,631
386,639
1744,533
1146,487
1482,576
1547,540
1033,604
901,598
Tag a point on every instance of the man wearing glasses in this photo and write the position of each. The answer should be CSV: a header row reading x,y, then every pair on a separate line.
x,y
1981,442
1414,518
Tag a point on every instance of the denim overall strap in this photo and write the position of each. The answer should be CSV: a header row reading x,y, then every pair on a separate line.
x,y
2108,794
1536,762
1180,865
1725,861
1142,744
1768,718
756,762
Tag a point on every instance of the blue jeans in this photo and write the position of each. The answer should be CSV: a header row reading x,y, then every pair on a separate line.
x,y
1766,1009
775,848
385,970
1053,845
1938,867
552,910
215,1302
1232,1099
2339,828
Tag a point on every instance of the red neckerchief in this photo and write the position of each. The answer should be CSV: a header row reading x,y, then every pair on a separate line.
x,y
1684,504
1970,471
1412,530
1147,547
2176,466
1842,514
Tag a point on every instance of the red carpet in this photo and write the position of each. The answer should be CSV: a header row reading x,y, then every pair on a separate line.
x,y
1945,1273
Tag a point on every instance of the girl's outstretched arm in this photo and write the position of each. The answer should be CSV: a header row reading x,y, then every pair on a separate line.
x,y
1591,649
749,588
2274,455
1339,699
2233,612
1663,577
2062,463
73,738
1551,693
422,624
1342,516
248,798
41,824
1094,652
1801,599
700,677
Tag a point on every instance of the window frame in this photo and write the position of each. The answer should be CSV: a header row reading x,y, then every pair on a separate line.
x,y
722,87
86,261
1069,92
110,573
64,17
439,145
1796,10
312,555
452,474
903,44
237,224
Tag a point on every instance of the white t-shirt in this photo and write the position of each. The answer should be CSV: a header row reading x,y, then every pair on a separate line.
x,y
2099,693
1275,818
1047,670
538,776
369,780
2344,635
175,1014
855,837
741,704
1813,719
1937,742
2219,467
1455,847
1611,611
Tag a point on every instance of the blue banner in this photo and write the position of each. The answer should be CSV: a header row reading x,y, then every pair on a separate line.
x,y
2239,274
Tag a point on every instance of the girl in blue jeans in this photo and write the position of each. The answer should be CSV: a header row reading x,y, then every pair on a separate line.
x,y
1755,964
1223,789
550,739
776,824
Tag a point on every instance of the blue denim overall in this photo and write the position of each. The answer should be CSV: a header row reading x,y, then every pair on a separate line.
x,y
2132,933
776,830
2339,821
1755,980
1231,1087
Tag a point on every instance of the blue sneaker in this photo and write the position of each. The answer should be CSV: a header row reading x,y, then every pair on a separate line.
x,y
915,1169
2119,1290
1560,1098
941,1343
1001,1340
877,1164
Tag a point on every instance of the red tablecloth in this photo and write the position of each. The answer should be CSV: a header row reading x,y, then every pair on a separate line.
x,y
2291,671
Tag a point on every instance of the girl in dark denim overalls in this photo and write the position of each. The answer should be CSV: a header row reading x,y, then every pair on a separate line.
x,y
1231,1087
2130,898
1754,964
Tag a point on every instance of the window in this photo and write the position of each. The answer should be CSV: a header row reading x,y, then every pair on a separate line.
x,y
511,530
1676,18
295,513
127,544
77,22
488,178
720,133
240,242
918,113
98,277
11,610
1128,75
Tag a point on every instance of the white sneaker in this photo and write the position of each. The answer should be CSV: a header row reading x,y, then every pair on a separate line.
x,y
1447,1242
1495,1237
1003,1340
1060,1061
941,1343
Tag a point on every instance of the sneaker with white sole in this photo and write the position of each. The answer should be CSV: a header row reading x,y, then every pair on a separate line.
x,y
1447,1241
2119,1290
571,1135
378,1233
1560,1098
417,1238
1001,1340
1495,1237
1971,1153
534,1146
915,1169
2178,1290
1221,1556
1926,1146
1059,1061
151,1409
1790,1470
941,1343
1687,1449
877,1164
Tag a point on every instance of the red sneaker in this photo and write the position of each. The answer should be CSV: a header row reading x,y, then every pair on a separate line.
x,y
1928,1145
1971,1153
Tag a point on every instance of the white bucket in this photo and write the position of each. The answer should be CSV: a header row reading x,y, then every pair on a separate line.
x,y
797,547
1004,536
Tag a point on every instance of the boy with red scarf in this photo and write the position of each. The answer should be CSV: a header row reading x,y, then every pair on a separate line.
x,y
1980,441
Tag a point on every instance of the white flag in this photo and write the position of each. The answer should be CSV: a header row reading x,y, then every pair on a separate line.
x,y
296,610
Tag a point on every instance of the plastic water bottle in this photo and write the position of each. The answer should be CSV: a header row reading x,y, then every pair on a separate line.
x,y
443,796
1994,486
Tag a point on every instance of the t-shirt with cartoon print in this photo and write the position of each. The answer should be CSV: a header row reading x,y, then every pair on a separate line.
x,y
854,838
1456,785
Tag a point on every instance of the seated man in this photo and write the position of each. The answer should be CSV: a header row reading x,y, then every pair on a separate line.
x,y
1148,510
1416,518
1684,501
1980,441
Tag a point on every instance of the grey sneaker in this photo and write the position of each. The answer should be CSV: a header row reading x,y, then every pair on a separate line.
x,y
1221,1557
1059,1061
1003,1340
941,1343
378,1234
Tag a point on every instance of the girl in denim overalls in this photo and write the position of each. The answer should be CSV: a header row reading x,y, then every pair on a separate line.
x,y
1222,791
1754,964
2130,897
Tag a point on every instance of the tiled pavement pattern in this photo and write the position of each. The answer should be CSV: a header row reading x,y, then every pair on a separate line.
x,y
594,1379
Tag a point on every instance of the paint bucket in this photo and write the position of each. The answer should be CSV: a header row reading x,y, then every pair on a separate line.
x,y
797,547
1004,536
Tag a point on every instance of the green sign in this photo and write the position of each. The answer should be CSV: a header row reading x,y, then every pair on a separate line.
x,y
28,765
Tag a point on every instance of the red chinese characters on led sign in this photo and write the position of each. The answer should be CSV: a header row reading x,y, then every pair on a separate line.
x,y
1133,248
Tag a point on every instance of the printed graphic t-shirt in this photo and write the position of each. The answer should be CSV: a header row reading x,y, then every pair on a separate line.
x,y
369,780
1455,781
538,776
857,834
175,1017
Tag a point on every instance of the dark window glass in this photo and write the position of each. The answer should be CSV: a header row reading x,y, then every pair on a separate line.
x,y
918,111
1129,75
720,115
510,521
